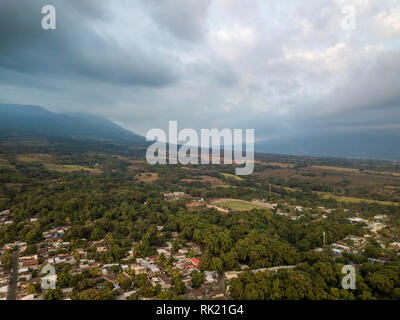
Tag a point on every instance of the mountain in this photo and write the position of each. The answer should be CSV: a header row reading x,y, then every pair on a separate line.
x,y
35,120
376,144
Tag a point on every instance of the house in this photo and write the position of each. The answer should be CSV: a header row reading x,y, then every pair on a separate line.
x,y
211,276
143,262
196,199
197,294
67,290
165,282
4,289
231,274
187,281
195,262
124,267
101,249
217,295
30,297
128,294
43,252
31,263
152,270
152,259
164,251
25,275
338,252
33,257
155,281
394,246
138,269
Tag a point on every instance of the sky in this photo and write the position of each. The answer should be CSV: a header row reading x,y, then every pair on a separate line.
x,y
284,68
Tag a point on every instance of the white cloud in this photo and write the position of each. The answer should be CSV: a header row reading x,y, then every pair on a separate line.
x,y
389,21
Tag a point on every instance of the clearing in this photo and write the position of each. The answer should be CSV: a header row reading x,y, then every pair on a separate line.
x,y
239,205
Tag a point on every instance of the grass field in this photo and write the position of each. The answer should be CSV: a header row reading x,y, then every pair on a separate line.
x,y
327,195
5,164
69,168
47,161
228,175
279,164
340,169
35,158
215,182
236,205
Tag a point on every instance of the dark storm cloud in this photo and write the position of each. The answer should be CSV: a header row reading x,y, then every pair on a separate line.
x,y
75,49
285,68
183,18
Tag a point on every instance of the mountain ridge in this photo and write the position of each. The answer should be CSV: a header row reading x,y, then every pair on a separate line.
x,y
36,120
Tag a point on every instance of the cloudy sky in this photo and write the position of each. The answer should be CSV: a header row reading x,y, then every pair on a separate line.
x,y
284,68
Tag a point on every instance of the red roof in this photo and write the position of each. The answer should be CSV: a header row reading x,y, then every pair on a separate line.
x,y
31,262
195,261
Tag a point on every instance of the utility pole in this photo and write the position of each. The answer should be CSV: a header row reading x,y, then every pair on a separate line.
x,y
324,238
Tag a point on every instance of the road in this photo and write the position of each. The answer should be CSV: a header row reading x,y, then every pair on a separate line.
x,y
12,288
221,284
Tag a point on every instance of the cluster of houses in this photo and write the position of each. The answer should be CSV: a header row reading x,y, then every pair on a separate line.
x,y
5,218
54,251
185,260
351,244
32,269
298,213
373,226
4,277
178,195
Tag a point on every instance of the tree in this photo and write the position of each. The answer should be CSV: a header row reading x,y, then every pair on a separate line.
x,y
396,294
53,294
217,264
34,288
124,282
90,294
178,286
197,278
7,260
31,249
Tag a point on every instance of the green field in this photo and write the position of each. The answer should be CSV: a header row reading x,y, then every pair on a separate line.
x,y
327,195
69,168
48,162
228,175
237,205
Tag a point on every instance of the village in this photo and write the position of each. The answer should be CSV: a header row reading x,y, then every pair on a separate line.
x,y
48,261
32,270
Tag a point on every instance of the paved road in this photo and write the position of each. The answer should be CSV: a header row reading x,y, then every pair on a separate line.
x,y
221,284
12,288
